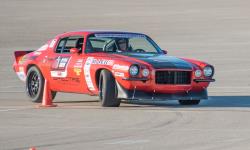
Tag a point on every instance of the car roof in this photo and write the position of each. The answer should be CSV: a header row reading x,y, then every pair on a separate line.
x,y
87,32
105,31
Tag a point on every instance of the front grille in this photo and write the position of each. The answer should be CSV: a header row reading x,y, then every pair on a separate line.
x,y
173,77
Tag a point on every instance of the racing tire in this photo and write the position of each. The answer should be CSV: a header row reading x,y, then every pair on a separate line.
x,y
189,102
35,84
53,94
108,90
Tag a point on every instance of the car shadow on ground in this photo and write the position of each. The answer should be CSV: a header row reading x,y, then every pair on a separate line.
x,y
227,101
213,101
87,101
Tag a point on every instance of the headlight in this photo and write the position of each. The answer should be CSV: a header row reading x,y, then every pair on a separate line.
x,y
208,71
145,72
134,70
197,73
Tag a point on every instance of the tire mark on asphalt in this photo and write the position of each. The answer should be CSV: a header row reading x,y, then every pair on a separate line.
x,y
102,139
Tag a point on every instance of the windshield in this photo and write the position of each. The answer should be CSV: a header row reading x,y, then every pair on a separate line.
x,y
118,43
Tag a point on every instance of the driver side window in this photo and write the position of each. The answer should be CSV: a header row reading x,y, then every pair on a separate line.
x,y
67,43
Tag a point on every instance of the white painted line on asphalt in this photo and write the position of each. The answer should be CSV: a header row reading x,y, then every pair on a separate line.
x,y
11,91
233,70
128,142
9,110
12,86
72,127
233,87
16,107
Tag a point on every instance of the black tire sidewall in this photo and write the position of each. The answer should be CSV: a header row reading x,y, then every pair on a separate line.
x,y
53,94
39,95
108,89
100,87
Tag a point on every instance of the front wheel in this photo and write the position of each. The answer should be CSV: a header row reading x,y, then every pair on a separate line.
x,y
189,102
108,90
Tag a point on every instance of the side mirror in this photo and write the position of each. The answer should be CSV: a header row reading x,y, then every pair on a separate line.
x,y
164,51
74,50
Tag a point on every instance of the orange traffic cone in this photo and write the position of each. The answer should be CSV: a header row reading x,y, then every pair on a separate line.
x,y
47,97
32,148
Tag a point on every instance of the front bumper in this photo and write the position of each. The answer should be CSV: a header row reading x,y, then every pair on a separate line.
x,y
204,80
146,79
141,95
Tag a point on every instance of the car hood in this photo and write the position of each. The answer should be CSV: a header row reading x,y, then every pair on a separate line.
x,y
161,61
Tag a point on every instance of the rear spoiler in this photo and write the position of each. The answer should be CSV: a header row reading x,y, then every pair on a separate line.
x,y
19,54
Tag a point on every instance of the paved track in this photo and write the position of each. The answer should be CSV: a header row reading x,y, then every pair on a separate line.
x,y
217,31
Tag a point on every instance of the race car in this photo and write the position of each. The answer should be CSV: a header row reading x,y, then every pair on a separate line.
x,y
113,65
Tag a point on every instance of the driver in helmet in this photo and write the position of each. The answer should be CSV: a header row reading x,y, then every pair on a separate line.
x,y
122,45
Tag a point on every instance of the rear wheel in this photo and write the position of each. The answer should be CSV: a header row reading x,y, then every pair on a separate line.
x,y
108,90
35,84
189,102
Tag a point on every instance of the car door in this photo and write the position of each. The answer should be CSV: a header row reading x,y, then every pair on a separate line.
x,y
65,68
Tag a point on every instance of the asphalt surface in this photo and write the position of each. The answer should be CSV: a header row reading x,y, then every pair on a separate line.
x,y
216,31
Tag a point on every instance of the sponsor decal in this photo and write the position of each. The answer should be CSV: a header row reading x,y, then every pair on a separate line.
x,y
56,63
120,67
103,62
58,74
52,43
87,75
22,59
43,48
75,80
44,60
33,57
60,63
59,67
37,53
21,75
78,71
21,69
78,63
119,74
63,63
78,67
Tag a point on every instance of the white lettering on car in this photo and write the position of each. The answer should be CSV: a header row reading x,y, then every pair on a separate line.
x,y
87,75
120,67
58,74
119,74
103,62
